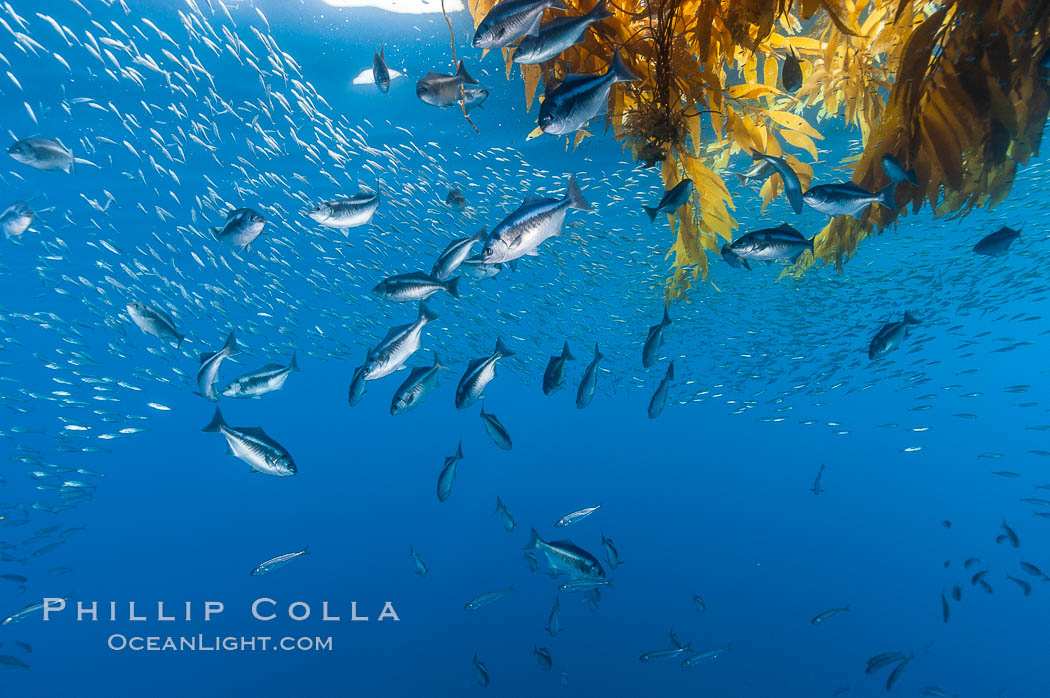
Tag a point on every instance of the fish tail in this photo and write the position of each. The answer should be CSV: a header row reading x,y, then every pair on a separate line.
x,y
670,370
231,347
566,354
740,178
437,363
599,12
216,423
464,76
597,354
558,5
293,365
653,212
619,71
666,319
887,198
501,349
459,450
576,199
179,338
305,550
846,607
452,286
534,539
910,319
215,232
481,234
426,314
744,262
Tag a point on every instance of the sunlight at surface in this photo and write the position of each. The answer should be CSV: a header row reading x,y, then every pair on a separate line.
x,y
405,7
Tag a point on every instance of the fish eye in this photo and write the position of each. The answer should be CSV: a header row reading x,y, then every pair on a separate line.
x,y
488,249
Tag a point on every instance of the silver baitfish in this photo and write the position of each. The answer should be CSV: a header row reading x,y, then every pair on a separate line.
x,y
267,379
496,431
704,656
589,382
478,375
447,476
504,515
890,336
612,555
485,599
254,447
416,286
659,399
442,90
43,154
554,626
523,231
16,219
421,567
242,226
344,214
672,200
208,373
847,199
564,556
821,617
510,20
575,516
580,97
154,321
771,244
397,346
420,382
455,253
278,562
557,35
380,73
554,374
654,341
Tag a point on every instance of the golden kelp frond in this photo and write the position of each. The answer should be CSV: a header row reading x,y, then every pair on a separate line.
x,y
966,100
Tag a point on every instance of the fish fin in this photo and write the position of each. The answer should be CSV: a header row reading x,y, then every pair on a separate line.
x,y
293,365
666,320
534,539
744,262
433,76
205,356
846,607
530,198
670,370
452,286
426,314
910,319
437,363
534,28
253,431
231,347
566,354
597,354
216,423
558,5
741,178
786,227
501,349
481,235
513,265
305,550
459,451
619,71
653,212
599,12
464,76
216,233
887,198
576,199
229,450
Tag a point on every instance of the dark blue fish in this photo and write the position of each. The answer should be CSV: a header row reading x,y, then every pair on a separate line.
x,y
998,242
890,336
673,199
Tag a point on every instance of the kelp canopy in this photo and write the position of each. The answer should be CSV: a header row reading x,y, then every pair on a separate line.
x,y
955,90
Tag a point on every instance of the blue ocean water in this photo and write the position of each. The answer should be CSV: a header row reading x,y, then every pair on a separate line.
x,y
253,105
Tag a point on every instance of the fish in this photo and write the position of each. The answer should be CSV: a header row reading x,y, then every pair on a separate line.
x,y
397,346
1008,536
821,617
759,171
535,221
589,382
772,244
496,430
792,185
554,374
416,286
440,90
155,322
659,399
895,675
477,268
932,691
698,601
575,516
565,557
893,169
472,98
676,649
447,477
945,609
25,612
848,199
553,625
457,202
791,72
880,660
580,97
357,390
415,389
957,593
254,447
505,518
510,20
421,567
732,259
654,340
971,562
816,489
997,243
16,578
380,73
481,672
43,154
612,555
557,35
672,200
16,219
704,656
267,379
9,660
344,214
242,227
478,375
1033,570
278,562
486,598
208,373
543,656
583,585
1026,588
890,336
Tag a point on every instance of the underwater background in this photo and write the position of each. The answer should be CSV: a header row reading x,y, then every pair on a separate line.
x,y
710,499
